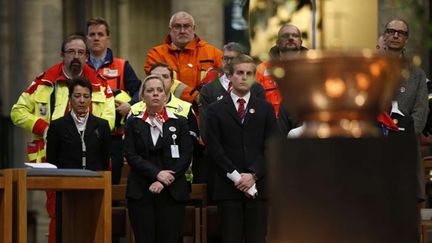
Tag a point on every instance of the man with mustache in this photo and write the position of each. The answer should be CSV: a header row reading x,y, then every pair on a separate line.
x,y
288,43
187,54
47,97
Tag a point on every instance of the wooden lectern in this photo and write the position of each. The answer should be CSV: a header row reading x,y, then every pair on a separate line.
x,y
6,205
86,205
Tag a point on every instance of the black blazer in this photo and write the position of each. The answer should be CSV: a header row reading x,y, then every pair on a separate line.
x,y
143,172
64,147
213,92
236,146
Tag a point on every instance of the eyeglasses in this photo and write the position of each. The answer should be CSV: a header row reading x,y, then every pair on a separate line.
x,y
227,58
178,27
287,36
163,75
393,31
72,52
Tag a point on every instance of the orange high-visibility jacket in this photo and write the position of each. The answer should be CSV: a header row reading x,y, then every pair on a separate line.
x,y
270,86
189,64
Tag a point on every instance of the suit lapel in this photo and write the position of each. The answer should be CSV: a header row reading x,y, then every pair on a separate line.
x,y
91,128
230,108
220,91
71,127
146,135
250,110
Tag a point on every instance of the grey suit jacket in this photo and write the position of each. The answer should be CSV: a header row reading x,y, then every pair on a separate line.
x,y
412,98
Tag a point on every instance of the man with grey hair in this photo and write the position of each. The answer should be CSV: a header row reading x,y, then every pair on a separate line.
x,y
412,97
189,56
411,100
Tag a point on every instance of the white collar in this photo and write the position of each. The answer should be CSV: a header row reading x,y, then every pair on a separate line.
x,y
81,122
235,97
224,81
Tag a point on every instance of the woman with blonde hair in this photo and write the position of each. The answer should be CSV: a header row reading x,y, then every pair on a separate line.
x,y
158,149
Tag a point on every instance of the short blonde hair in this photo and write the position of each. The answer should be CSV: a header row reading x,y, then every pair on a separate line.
x,y
143,83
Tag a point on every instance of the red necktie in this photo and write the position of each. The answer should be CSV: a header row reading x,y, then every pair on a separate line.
x,y
229,87
241,108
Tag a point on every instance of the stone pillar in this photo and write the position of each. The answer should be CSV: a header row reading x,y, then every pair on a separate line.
x,y
31,36
142,25
209,18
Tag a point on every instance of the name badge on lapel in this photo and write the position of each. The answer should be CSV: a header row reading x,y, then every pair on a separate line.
x,y
174,148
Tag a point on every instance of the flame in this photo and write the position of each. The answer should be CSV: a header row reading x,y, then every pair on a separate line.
x,y
334,87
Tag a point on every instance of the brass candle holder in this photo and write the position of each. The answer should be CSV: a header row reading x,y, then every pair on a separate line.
x,y
337,93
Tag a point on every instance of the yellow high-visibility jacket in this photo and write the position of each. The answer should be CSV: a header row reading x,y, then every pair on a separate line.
x,y
175,105
33,110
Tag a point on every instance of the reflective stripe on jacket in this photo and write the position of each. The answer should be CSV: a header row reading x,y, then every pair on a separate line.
x,y
270,86
114,73
176,105
32,111
189,64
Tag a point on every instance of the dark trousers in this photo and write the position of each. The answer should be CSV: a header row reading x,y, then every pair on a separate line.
x,y
243,221
160,221
117,158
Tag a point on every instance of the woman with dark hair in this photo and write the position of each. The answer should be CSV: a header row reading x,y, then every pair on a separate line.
x,y
79,139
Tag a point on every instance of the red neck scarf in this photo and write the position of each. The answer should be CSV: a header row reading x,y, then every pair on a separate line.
x,y
161,116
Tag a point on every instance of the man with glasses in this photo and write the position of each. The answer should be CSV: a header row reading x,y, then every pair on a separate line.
x,y
187,54
411,100
288,43
47,98
395,37
412,97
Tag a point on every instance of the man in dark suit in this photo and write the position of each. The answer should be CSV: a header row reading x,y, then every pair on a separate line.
x,y
79,139
220,87
214,91
239,126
